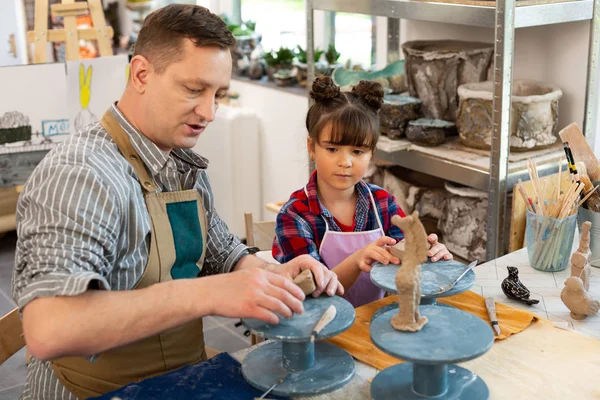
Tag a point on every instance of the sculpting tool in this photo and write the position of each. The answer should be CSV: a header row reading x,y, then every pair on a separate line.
x,y
490,305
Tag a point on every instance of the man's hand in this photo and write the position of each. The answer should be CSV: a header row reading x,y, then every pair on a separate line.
x,y
437,251
326,280
376,252
255,293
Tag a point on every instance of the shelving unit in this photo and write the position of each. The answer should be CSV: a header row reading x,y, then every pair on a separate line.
x,y
504,17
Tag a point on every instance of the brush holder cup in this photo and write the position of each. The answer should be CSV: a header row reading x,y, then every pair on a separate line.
x,y
549,241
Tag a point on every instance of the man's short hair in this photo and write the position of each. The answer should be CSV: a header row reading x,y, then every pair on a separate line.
x,y
161,38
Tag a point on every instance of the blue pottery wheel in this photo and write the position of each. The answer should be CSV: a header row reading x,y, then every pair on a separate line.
x,y
432,276
396,382
299,327
333,368
313,367
450,336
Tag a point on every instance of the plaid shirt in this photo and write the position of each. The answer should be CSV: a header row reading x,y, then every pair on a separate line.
x,y
301,221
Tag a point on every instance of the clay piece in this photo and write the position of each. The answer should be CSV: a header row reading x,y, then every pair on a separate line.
x,y
463,220
408,277
579,259
395,113
435,69
429,132
575,293
578,300
306,281
514,289
534,112
391,77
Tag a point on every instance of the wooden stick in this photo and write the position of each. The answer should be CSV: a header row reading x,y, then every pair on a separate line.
x,y
559,176
569,202
591,192
523,194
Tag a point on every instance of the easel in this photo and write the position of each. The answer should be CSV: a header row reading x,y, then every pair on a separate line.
x,y
69,10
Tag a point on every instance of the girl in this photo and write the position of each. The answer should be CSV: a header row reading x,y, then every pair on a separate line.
x,y
337,218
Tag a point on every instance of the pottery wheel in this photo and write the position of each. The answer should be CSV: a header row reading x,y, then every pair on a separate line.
x,y
432,276
450,336
333,368
311,368
299,327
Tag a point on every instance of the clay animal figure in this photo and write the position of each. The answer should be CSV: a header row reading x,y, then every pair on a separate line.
x,y
408,277
514,289
575,293
579,259
578,300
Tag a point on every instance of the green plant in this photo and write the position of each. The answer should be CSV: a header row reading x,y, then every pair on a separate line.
x,y
301,54
285,56
332,55
250,25
245,29
271,59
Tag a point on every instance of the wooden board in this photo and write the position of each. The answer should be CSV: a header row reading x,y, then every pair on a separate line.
x,y
275,206
492,3
519,210
40,30
59,35
11,335
99,22
581,149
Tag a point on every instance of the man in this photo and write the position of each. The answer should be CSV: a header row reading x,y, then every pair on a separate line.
x,y
116,224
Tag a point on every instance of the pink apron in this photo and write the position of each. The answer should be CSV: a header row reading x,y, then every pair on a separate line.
x,y
337,246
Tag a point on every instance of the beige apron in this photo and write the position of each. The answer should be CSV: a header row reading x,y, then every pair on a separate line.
x,y
177,250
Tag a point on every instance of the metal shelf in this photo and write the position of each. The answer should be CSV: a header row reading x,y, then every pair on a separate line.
x,y
504,17
471,15
453,172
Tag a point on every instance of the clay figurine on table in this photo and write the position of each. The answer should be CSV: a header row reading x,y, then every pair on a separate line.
x,y
575,293
514,289
408,278
579,260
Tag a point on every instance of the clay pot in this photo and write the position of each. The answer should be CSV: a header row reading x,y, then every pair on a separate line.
x,y
395,113
429,132
435,70
534,111
463,221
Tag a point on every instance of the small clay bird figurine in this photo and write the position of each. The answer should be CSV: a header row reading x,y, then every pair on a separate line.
x,y
514,289
578,300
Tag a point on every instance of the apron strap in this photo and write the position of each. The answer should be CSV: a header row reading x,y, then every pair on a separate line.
x,y
375,209
118,134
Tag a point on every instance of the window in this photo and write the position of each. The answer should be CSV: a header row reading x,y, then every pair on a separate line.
x,y
282,23
353,38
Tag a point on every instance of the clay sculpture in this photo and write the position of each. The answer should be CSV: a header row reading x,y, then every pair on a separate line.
x,y
514,289
408,277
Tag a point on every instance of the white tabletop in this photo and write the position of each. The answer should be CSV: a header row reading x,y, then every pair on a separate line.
x,y
544,286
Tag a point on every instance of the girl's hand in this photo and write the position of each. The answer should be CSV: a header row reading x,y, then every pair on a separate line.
x,y
375,252
437,251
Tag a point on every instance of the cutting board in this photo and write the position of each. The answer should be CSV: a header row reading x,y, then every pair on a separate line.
x,y
581,149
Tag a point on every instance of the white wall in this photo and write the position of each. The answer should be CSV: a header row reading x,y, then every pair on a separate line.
x,y
284,159
554,54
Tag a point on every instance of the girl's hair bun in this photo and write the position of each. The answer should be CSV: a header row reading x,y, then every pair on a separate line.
x,y
324,89
371,92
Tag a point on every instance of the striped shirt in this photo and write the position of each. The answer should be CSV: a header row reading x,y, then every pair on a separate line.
x,y
82,223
